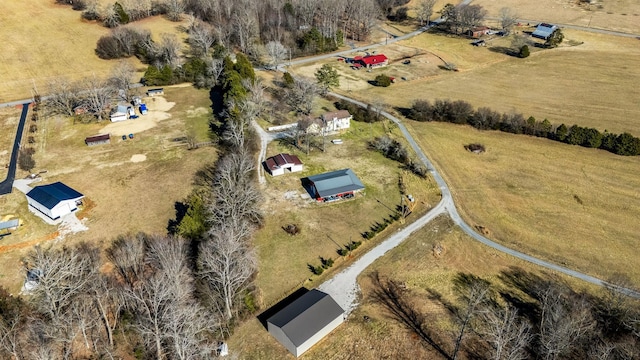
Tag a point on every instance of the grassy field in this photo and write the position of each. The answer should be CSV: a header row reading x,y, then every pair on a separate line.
x,y
130,185
591,84
42,41
621,15
325,227
573,206
415,264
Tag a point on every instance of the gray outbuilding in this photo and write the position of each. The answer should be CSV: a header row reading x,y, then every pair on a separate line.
x,y
305,321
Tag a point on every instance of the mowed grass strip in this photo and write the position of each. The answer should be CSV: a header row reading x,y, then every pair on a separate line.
x,y
327,227
570,205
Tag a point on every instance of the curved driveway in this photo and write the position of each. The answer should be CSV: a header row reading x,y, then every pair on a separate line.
x,y
7,185
333,286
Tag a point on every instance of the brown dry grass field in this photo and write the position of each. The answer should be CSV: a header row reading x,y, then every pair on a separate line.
x,y
621,15
127,195
416,265
42,41
284,258
570,205
591,84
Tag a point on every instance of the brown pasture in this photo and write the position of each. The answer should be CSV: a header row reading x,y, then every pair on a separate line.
x,y
43,41
125,193
570,205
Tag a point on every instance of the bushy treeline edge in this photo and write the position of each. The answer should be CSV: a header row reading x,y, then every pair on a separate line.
x,y
484,118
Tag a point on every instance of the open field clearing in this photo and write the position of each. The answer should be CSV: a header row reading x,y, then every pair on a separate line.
x,y
326,227
419,266
130,185
592,84
621,15
572,206
42,41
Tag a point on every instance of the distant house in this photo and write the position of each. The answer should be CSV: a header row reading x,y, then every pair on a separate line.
x,y
155,92
544,30
80,109
478,31
54,200
332,186
305,321
371,61
120,113
336,120
97,139
279,164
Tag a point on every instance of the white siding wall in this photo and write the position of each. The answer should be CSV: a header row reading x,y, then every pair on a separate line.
x,y
318,336
296,168
63,208
118,117
281,337
276,172
39,206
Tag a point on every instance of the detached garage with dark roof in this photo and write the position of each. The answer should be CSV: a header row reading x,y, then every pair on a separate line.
x,y
54,200
305,321
333,185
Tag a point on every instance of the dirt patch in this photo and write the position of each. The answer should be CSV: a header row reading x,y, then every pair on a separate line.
x,y
138,158
158,108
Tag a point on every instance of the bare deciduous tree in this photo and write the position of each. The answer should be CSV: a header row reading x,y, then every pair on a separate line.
x,y
201,37
97,96
565,320
226,264
471,16
277,52
425,10
175,9
300,97
508,334
508,18
64,96
167,51
121,77
475,292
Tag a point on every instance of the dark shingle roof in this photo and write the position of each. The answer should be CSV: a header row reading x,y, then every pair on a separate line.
x,y
307,315
336,182
50,195
340,114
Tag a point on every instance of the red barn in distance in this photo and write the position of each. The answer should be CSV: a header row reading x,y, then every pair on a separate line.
x,y
370,61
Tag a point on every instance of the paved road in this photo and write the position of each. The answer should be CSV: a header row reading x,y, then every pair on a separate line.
x,y
448,204
7,185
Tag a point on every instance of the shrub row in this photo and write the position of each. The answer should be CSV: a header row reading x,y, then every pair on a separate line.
x,y
461,112
359,113
394,150
324,264
379,227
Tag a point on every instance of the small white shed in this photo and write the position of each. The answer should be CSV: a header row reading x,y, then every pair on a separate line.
x,y
54,200
277,165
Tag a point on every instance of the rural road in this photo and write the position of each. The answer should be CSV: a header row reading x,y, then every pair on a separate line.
x,y
343,287
7,185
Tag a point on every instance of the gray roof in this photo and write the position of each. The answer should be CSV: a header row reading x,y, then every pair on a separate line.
x,y
51,195
9,224
336,182
543,31
307,315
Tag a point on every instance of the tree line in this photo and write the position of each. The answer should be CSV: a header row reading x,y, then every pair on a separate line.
x,y
520,316
484,118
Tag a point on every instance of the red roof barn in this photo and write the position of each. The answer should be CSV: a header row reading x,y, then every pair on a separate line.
x,y
373,61
276,165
